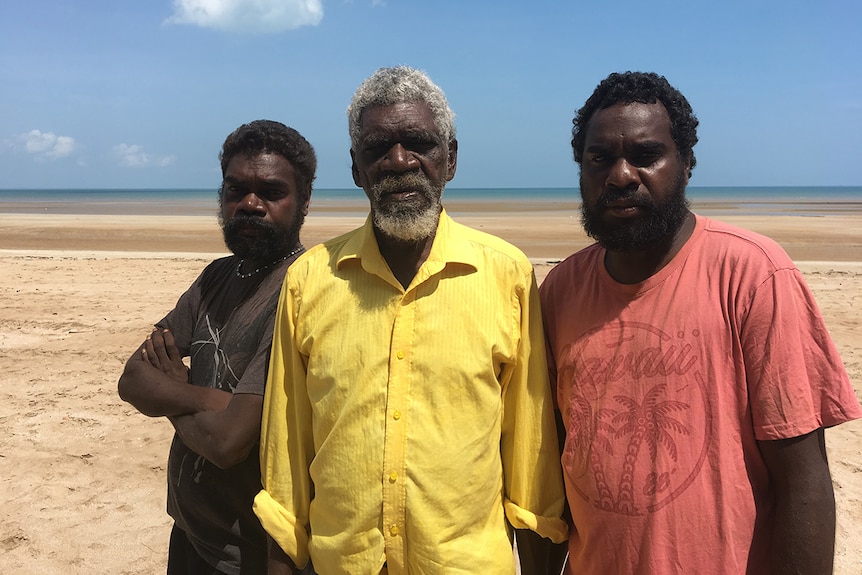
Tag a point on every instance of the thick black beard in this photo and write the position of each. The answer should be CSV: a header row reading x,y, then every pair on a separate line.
x,y
660,225
269,246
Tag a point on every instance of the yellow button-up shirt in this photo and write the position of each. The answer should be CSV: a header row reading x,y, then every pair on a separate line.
x,y
406,426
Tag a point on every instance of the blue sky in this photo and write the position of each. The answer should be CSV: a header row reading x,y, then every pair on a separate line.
x,y
141,93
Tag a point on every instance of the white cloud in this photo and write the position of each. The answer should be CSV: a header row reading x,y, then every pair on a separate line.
x,y
134,156
247,15
47,144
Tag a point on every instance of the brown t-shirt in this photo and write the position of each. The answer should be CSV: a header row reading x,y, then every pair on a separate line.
x,y
224,324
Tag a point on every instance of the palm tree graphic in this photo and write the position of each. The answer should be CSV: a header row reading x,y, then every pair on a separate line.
x,y
648,422
588,435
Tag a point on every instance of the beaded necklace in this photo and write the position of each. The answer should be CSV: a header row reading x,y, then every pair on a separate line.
x,y
244,276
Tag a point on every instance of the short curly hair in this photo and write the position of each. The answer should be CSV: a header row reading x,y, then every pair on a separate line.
x,y
645,88
398,85
268,136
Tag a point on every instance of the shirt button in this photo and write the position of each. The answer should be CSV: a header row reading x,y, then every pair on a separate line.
x,y
393,477
400,355
396,415
393,530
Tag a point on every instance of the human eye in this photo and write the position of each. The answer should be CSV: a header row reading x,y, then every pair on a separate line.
x,y
596,158
421,146
421,142
645,160
646,156
232,191
274,194
374,146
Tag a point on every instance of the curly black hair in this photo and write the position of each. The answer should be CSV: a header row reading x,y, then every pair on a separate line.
x,y
263,136
645,88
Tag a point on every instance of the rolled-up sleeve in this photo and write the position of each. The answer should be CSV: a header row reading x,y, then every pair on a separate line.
x,y
534,496
286,447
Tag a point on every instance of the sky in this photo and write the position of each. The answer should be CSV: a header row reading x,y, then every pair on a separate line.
x,y
141,93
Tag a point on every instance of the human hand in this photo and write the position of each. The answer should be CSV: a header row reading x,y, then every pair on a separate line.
x,y
160,351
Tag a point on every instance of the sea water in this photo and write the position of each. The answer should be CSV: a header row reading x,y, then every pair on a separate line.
x,y
807,200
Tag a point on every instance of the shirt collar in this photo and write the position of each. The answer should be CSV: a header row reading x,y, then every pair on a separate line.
x,y
451,246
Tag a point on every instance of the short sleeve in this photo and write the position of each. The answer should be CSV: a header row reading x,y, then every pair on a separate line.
x,y
796,380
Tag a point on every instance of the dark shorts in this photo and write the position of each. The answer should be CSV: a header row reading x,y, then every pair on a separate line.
x,y
184,560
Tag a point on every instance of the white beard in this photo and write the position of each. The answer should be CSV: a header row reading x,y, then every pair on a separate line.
x,y
408,227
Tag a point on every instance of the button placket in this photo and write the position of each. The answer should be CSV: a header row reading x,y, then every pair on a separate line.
x,y
394,453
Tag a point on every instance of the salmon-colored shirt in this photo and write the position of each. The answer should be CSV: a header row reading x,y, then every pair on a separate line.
x,y
666,386
407,426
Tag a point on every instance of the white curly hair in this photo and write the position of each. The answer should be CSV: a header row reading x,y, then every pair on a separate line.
x,y
397,85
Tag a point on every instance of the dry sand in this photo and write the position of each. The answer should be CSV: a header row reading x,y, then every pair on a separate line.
x,y
83,474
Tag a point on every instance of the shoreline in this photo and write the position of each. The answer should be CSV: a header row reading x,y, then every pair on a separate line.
x,y
540,232
357,205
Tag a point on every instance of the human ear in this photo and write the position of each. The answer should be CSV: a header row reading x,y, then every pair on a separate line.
x,y
354,170
451,160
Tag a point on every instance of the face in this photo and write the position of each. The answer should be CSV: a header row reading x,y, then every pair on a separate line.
x,y
403,165
261,212
632,178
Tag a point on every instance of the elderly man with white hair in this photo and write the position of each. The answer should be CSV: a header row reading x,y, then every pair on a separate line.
x,y
408,425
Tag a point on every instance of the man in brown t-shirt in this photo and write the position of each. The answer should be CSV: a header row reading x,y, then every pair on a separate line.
x,y
223,327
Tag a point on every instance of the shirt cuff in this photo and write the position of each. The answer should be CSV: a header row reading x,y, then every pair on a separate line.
x,y
283,527
553,528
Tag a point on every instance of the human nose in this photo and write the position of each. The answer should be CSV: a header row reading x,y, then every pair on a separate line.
x,y
622,175
400,159
251,203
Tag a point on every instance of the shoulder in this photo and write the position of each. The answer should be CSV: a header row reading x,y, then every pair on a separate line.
x,y
331,249
728,243
322,258
216,271
574,267
271,284
491,247
221,266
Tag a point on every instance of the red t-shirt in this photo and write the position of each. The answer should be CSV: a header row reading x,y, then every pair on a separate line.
x,y
665,386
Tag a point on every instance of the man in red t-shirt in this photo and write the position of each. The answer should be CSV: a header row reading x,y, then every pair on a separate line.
x,y
694,374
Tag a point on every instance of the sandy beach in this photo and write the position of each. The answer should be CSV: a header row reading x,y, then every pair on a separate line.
x,y
83,474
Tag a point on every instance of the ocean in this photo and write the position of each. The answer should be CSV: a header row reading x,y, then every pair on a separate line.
x,y
774,200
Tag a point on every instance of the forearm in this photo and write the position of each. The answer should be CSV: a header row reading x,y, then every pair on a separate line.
x,y
154,393
206,434
803,521
803,533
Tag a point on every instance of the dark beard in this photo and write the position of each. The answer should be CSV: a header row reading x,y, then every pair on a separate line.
x,y
272,243
660,224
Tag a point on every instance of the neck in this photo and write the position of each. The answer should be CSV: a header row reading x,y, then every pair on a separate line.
x,y
249,267
404,258
635,267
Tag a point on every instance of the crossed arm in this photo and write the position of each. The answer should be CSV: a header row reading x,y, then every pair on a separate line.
x,y
221,426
